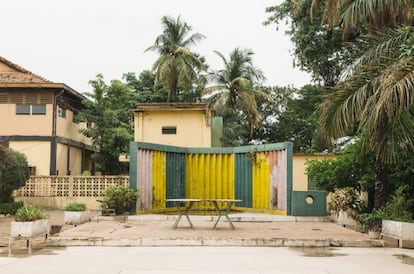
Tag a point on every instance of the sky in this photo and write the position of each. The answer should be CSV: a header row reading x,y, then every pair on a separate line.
x,y
71,42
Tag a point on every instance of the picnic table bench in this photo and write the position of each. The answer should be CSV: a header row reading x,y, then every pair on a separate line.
x,y
222,208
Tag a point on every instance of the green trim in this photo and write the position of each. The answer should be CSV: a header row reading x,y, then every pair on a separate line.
x,y
133,151
213,150
289,175
27,138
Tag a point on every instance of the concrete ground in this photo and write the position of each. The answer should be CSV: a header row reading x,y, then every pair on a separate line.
x,y
251,229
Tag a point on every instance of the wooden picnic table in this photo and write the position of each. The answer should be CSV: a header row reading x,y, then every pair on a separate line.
x,y
222,208
188,206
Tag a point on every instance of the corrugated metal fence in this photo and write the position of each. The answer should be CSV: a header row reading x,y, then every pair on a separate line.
x,y
261,175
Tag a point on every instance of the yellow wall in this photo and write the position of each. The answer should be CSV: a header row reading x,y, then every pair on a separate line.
x,y
12,124
75,163
37,154
65,127
300,178
192,129
61,159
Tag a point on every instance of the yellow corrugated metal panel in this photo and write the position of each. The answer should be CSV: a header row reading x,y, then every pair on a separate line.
x,y
159,180
210,176
261,181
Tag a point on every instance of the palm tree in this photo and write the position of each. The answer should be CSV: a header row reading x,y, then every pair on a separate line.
x,y
176,66
376,99
373,15
234,85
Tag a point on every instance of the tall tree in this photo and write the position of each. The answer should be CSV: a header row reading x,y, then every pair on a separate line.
x,y
233,86
365,15
145,88
376,99
318,48
107,111
291,116
177,67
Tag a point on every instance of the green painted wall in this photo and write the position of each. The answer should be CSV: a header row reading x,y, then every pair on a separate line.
x,y
309,203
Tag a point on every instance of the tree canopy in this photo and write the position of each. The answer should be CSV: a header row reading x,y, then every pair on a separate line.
x,y
108,112
233,86
177,66
14,172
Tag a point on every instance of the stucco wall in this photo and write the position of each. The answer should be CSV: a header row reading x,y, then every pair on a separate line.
x,y
65,127
300,178
37,154
75,162
40,125
192,130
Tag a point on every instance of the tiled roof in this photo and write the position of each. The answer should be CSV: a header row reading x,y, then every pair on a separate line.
x,y
18,75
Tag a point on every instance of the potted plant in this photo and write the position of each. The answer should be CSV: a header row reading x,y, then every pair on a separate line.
x,y
372,223
75,213
29,221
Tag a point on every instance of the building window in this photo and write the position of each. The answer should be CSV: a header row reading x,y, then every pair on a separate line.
x,y
32,170
28,109
169,130
61,112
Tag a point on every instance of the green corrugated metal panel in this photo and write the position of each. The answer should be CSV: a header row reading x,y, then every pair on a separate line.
x,y
309,203
214,173
216,131
243,174
175,167
133,151
289,175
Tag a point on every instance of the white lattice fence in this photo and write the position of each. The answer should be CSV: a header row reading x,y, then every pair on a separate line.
x,y
69,186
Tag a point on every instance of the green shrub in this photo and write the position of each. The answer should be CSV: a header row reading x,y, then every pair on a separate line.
x,y
119,198
75,206
14,172
399,206
86,173
346,199
10,208
372,221
29,213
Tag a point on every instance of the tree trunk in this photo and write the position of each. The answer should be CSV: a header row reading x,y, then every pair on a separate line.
x,y
172,95
381,188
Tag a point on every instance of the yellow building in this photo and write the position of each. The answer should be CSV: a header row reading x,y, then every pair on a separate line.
x,y
38,119
300,177
176,124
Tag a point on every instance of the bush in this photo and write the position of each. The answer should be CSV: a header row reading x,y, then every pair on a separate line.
x,y
10,208
346,199
75,206
29,213
119,198
372,221
14,172
399,207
